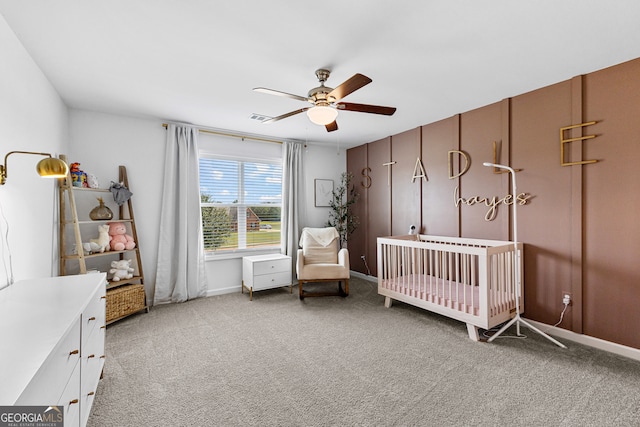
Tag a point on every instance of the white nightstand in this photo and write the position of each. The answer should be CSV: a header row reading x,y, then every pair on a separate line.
x,y
269,271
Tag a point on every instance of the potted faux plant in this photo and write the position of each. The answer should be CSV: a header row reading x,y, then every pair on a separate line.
x,y
340,214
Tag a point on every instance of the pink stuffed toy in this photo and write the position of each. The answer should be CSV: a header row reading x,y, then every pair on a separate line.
x,y
120,240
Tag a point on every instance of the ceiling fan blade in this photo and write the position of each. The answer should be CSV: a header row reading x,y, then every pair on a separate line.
x,y
365,108
284,116
332,126
279,93
349,86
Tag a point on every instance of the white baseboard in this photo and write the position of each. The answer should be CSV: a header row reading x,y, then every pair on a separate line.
x,y
222,291
611,347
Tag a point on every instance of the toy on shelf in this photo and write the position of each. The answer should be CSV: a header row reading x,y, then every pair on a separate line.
x,y
102,242
120,192
92,181
120,240
78,177
121,270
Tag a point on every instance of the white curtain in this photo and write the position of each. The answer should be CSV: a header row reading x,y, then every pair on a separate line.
x,y
292,198
180,274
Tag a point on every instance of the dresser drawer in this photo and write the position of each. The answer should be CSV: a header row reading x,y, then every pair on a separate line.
x,y
93,317
47,385
71,399
92,361
271,266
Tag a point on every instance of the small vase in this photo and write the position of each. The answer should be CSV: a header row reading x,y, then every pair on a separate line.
x,y
101,212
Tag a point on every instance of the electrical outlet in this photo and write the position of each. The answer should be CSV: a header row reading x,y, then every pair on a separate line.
x,y
566,299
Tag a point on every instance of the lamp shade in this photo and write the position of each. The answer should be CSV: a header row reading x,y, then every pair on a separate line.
x,y
322,115
52,168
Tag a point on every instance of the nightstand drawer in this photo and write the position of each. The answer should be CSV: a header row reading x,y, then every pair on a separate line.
x,y
268,281
272,266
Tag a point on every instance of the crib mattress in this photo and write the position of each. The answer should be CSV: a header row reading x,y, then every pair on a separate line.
x,y
448,293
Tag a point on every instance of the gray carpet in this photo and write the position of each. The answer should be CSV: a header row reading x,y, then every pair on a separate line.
x,y
278,361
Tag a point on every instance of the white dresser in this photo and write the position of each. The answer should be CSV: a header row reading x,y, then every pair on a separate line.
x,y
269,271
52,336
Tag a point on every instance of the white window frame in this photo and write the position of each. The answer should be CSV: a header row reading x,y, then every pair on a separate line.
x,y
242,249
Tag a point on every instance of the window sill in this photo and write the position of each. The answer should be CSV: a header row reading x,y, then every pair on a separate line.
x,y
214,256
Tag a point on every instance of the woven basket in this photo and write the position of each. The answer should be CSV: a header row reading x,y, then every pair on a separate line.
x,y
124,300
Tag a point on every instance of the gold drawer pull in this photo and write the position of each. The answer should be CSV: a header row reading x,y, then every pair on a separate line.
x,y
103,297
103,327
103,356
74,352
90,393
91,356
92,318
73,402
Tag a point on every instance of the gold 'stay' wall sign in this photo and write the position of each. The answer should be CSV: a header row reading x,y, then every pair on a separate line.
x,y
419,173
564,141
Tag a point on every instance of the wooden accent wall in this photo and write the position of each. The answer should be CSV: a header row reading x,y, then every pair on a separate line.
x,y
440,217
579,226
358,241
405,190
611,283
378,221
544,224
479,129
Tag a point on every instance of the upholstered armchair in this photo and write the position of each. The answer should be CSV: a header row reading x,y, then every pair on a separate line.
x,y
321,260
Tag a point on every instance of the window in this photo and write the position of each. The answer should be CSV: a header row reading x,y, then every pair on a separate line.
x,y
240,202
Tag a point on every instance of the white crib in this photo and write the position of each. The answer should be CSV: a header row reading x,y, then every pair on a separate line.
x,y
470,280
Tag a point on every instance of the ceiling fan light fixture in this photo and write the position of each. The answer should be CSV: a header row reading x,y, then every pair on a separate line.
x,y
322,115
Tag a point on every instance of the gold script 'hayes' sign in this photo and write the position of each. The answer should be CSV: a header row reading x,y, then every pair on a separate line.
x,y
491,203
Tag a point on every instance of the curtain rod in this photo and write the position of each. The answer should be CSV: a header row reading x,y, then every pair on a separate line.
x,y
213,132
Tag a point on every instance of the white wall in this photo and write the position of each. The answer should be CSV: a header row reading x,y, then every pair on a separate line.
x,y
100,142
322,161
32,118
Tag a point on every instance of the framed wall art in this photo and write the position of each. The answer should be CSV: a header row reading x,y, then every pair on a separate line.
x,y
323,192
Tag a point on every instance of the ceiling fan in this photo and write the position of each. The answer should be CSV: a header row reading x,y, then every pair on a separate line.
x,y
326,103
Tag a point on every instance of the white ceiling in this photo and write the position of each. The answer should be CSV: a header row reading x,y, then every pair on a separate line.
x,y
197,61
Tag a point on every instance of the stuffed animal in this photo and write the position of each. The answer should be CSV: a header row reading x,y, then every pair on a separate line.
x,y
91,248
92,181
100,244
87,248
121,270
120,240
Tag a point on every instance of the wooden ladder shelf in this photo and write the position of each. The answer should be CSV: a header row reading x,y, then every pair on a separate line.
x,y
124,296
